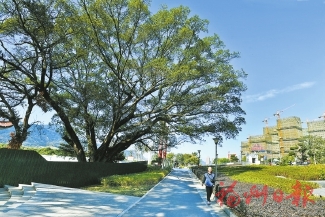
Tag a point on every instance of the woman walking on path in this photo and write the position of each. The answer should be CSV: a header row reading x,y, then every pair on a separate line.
x,y
208,180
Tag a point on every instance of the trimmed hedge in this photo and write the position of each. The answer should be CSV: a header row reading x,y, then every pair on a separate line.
x,y
24,167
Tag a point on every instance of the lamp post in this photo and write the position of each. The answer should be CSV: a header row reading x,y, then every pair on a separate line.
x,y
216,142
198,163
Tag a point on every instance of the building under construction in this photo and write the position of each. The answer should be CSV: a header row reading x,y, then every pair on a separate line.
x,y
276,141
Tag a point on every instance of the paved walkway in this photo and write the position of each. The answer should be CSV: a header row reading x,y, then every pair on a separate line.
x,y
178,194
55,201
319,191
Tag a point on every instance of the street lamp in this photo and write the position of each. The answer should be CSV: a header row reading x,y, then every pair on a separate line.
x,y
198,163
216,142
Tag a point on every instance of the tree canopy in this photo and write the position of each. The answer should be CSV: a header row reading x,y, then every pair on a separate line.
x,y
310,148
116,74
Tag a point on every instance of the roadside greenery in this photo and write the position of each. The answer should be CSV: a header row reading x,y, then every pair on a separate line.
x,y
42,150
131,184
310,148
26,166
277,177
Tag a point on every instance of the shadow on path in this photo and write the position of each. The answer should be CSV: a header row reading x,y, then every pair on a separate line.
x,y
176,195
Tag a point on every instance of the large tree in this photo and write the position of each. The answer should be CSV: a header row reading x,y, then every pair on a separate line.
x,y
316,148
26,47
132,77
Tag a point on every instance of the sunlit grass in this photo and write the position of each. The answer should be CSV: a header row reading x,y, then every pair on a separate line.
x,y
131,184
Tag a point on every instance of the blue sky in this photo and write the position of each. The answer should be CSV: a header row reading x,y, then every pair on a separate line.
x,y
282,48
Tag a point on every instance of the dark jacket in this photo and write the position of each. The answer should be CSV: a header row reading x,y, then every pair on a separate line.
x,y
210,176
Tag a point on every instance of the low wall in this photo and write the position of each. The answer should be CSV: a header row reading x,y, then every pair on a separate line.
x,y
24,167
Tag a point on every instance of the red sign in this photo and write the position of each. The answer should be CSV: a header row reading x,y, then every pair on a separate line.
x,y
257,147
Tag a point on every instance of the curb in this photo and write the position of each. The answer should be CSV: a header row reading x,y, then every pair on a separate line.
x,y
226,209
135,203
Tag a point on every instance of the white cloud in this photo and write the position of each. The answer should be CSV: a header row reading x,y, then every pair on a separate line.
x,y
274,92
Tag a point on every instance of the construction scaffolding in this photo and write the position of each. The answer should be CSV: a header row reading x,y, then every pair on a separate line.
x,y
289,131
244,149
258,146
316,128
272,141
276,141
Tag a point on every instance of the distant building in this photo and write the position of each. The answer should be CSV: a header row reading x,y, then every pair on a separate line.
x,y
276,141
5,124
130,158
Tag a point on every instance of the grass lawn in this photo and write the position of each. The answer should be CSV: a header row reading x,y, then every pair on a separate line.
x,y
136,184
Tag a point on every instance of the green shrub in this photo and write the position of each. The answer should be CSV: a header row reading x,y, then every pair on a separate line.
x,y
267,175
25,166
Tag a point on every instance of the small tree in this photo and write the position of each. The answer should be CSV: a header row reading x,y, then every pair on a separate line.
x,y
302,149
234,158
170,156
315,147
286,160
223,160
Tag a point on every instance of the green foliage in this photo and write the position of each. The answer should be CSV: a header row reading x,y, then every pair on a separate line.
x,y
154,159
267,175
170,156
131,184
25,166
286,160
120,72
66,150
44,150
188,159
312,148
234,158
149,177
27,31
223,160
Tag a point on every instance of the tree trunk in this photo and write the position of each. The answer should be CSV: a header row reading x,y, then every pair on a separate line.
x,y
73,138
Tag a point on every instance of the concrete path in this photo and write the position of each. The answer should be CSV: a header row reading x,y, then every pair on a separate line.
x,y
50,200
319,191
178,194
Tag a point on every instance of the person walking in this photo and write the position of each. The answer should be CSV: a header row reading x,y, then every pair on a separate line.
x,y
208,180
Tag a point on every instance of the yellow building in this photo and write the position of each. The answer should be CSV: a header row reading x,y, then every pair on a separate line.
x,y
276,141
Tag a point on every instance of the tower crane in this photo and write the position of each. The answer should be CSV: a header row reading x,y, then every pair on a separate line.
x,y
322,116
277,114
266,121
